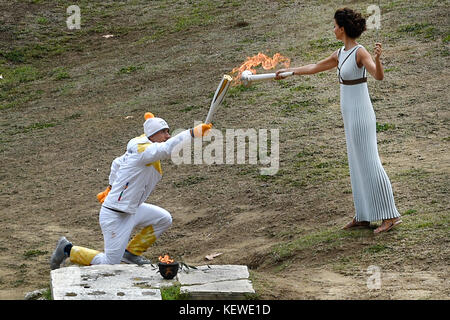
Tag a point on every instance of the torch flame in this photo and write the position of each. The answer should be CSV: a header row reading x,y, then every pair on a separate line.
x,y
165,259
260,59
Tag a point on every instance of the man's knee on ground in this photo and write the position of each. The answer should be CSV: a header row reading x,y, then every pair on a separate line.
x,y
167,219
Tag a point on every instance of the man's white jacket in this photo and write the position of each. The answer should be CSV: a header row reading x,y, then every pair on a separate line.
x,y
135,174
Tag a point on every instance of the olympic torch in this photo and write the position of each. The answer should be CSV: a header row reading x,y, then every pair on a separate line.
x,y
219,95
248,77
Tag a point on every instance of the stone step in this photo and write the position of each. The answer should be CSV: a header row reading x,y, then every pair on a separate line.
x,y
132,282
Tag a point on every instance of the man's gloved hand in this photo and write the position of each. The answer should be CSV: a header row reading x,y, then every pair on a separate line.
x,y
102,195
201,130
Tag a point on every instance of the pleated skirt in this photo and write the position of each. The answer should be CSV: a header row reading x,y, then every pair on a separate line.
x,y
371,188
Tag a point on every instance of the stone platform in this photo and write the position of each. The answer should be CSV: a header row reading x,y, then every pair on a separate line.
x,y
132,282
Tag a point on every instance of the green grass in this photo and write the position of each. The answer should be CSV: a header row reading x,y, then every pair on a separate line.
x,y
129,69
426,30
17,129
173,293
376,248
21,74
199,16
190,108
34,51
42,20
329,238
410,211
325,44
302,88
60,73
236,91
418,173
47,294
34,253
384,127
191,180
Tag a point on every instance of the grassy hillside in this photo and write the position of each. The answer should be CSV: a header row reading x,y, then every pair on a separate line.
x,y
71,99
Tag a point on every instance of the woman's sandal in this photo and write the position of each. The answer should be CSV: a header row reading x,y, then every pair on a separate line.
x,y
355,224
387,225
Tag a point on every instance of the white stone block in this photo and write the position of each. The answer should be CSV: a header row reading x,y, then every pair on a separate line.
x,y
212,273
100,282
235,289
132,282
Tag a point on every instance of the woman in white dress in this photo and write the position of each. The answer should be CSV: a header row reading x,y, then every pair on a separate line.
x,y
372,191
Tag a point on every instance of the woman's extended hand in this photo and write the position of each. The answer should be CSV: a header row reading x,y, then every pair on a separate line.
x,y
377,50
277,74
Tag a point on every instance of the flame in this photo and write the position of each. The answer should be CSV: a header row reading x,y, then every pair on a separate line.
x,y
166,259
260,59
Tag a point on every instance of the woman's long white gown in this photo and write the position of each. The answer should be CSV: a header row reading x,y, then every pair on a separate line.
x,y
372,190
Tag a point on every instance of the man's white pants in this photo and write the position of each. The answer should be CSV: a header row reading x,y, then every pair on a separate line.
x,y
117,228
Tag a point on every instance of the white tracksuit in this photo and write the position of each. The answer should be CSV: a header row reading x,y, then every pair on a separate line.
x,y
133,177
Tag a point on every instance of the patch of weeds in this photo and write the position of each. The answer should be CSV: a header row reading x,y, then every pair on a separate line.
x,y
34,253
384,127
329,238
414,173
306,153
252,296
410,211
391,69
267,178
414,28
237,90
376,248
34,51
325,44
18,283
315,169
302,88
427,30
244,170
15,55
47,294
39,126
190,108
345,264
188,181
22,74
423,224
60,73
285,84
129,69
197,17
288,108
42,20
34,126
446,39
173,293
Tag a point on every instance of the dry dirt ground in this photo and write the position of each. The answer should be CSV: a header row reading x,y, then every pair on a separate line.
x,y
71,99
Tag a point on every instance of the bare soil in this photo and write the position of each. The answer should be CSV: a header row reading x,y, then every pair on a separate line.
x,y
71,99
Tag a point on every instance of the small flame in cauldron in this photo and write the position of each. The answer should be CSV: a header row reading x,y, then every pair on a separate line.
x,y
166,259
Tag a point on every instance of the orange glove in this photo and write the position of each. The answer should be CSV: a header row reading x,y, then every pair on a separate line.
x,y
201,130
102,195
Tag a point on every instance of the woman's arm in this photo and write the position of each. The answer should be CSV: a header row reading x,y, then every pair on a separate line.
x,y
323,65
375,68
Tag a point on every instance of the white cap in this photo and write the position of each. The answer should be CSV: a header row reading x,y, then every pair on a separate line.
x,y
153,125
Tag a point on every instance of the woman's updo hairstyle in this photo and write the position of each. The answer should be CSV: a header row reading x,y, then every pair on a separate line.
x,y
354,24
